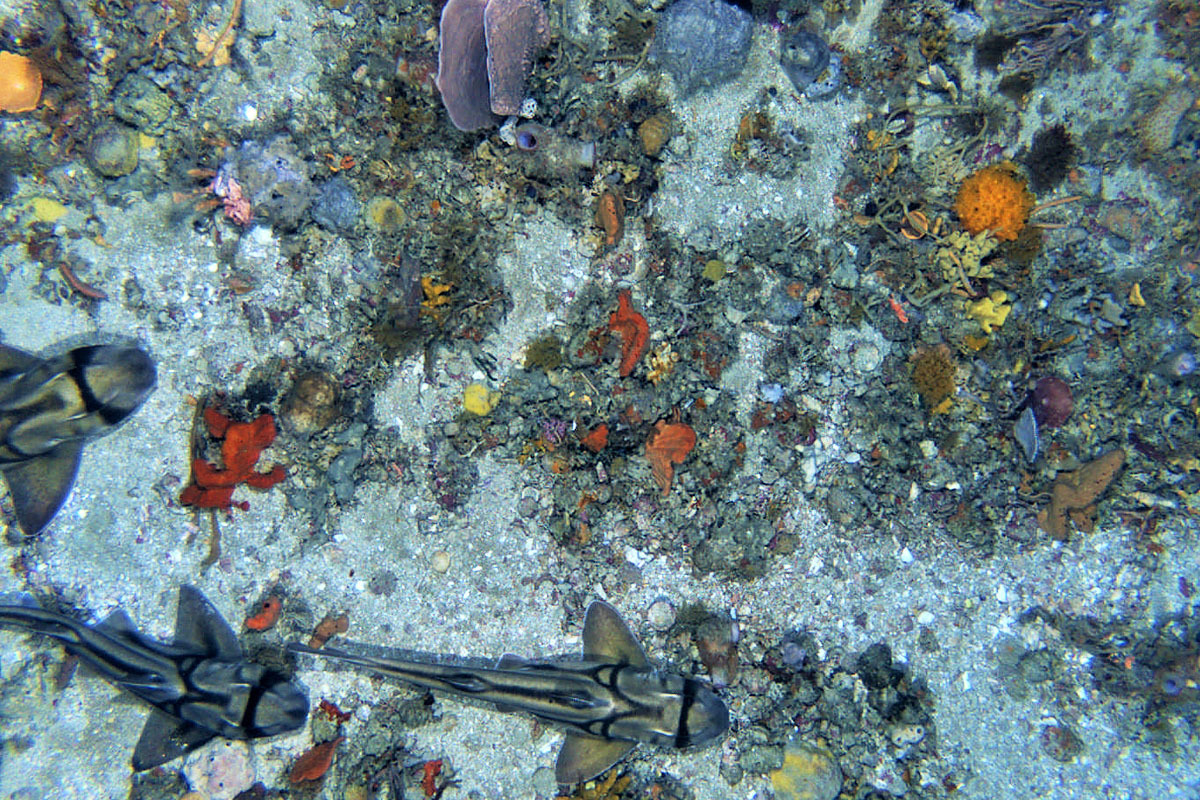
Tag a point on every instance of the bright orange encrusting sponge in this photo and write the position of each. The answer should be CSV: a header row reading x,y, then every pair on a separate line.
x,y
20,83
995,199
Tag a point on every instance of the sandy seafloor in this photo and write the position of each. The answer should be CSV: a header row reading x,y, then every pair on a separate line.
x,y
117,544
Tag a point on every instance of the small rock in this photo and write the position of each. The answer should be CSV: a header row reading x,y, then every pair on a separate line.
x,y
809,772
661,614
114,150
222,770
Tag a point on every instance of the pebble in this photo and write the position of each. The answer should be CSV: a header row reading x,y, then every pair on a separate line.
x,y
661,614
439,562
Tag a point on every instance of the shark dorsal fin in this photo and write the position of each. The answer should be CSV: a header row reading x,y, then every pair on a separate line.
x,y
607,638
118,625
583,757
164,739
199,626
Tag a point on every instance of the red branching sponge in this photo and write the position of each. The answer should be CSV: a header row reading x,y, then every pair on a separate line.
x,y
634,332
212,487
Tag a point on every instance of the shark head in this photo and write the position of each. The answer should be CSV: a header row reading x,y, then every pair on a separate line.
x,y
118,378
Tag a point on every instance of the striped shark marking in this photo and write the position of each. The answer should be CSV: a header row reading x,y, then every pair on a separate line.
x,y
607,703
200,685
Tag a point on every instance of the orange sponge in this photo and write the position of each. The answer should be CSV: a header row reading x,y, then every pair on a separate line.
x,y
995,199
20,83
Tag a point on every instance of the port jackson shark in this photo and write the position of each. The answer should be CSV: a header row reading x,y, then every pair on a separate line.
x,y
200,685
607,702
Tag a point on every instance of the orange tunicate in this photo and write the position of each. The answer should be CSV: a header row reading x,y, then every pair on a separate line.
x,y
267,615
995,199
20,83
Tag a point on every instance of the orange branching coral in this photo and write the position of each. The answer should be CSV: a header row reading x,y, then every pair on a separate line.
x,y
995,199
669,444
212,487
634,332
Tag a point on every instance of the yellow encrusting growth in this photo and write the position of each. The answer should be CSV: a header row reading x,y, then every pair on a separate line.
x,y
479,399
47,210
991,311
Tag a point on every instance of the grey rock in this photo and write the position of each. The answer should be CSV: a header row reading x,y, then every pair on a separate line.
x,y
335,206
702,43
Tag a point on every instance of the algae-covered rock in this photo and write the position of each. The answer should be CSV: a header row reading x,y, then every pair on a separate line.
x,y
142,104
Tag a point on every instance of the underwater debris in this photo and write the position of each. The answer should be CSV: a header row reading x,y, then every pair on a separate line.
x,y
633,330
1074,494
547,154
212,487
669,444
995,199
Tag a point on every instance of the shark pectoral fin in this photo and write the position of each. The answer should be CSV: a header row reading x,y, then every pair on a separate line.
x,y
164,739
40,485
13,363
607,638
199,625
583,757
